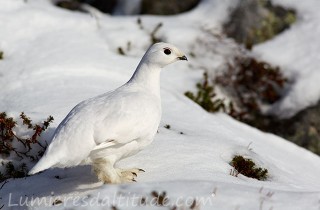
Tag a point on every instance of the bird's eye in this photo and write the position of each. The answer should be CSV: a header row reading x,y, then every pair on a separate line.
x,y
167,51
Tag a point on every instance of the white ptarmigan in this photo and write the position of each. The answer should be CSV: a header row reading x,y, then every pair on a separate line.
x,y
102,130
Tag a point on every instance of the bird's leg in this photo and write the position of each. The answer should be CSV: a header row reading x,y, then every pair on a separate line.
x,y
129,175
109,175
105,171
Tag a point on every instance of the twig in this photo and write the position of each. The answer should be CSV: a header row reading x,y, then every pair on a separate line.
x,y
154,39
5,182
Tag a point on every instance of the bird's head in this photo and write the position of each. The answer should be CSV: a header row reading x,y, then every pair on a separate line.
x,y
162,54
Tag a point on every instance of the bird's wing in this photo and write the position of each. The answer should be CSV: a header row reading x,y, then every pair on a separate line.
x,y
132,115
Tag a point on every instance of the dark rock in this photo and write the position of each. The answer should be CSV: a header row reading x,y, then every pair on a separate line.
x,y
155,7
167,7
246,16
255,21
302,129
106,6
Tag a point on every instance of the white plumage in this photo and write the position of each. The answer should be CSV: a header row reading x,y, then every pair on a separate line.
x,y
109,127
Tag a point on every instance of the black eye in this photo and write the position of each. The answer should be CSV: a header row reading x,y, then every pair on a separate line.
x,y
167,51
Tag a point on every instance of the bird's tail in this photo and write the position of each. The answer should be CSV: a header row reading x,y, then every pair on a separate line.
x,y
42,165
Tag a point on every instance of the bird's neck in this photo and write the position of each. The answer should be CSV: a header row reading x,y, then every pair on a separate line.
x,y
147,76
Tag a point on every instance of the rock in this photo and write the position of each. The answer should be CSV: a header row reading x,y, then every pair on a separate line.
x,y
246,16
302,129
167,7
102,5
255,21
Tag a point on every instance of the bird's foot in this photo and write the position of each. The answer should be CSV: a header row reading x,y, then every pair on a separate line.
x,y
110,175
129,175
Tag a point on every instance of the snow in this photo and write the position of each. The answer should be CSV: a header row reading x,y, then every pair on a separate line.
x,y
54,58
296,51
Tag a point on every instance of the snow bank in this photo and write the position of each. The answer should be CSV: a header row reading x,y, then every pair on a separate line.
x,y
55,58
296,51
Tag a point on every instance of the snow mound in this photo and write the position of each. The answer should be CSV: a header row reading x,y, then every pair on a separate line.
x,y
56,58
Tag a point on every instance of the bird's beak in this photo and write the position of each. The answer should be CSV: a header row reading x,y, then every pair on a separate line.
x,y
183,58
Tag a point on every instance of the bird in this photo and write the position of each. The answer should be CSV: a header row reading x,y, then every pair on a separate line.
x,y
112,126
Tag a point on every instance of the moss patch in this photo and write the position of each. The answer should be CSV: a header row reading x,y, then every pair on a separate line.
x,y
206,96
248,168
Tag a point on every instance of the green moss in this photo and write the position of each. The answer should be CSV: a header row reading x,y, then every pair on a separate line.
x,y
248,168
276,21
206,96
256,21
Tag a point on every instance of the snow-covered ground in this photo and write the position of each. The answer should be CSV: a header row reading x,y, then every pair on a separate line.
x,y
54,58
296,51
